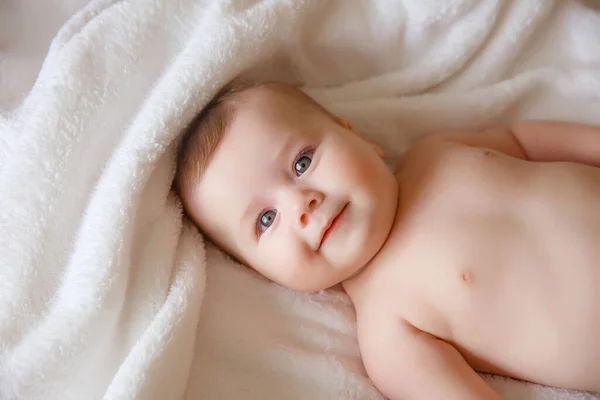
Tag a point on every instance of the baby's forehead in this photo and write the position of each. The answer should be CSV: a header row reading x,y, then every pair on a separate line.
x,y
249,153
277,101
259,129
263,124
229,193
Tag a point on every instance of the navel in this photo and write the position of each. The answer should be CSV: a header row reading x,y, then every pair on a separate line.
x,y
467,277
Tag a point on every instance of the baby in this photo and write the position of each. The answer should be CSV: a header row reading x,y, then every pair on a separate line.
x,y
482,253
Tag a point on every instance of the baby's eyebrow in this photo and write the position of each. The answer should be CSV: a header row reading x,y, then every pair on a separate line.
x,y
248,213
282,155
280,159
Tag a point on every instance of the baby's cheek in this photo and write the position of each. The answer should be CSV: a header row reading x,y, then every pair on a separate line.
x,y
286,260
345,170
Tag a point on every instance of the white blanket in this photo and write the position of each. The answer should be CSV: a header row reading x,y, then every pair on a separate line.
x,y
105,292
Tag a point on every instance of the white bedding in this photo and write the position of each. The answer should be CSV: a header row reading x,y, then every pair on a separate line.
x,y
105,293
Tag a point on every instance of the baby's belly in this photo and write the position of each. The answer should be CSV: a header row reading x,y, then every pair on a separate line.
x,y
527,324
514,275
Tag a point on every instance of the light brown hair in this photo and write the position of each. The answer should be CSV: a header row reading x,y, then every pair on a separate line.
x,y
203,134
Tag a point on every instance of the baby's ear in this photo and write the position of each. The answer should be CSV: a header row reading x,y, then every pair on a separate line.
x,y
374,145
345,124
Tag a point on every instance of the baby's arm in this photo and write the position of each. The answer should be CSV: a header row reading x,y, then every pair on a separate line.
x,y
539,141
559,141
410,364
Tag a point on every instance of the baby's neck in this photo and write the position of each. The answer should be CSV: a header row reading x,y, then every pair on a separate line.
x,y
354,286
352,289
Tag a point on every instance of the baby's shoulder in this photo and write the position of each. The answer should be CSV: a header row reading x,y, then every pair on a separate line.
x,y
428,147
374,321
437,142
381,306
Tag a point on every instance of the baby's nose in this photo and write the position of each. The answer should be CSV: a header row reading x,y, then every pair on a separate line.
x,y
304,216
304,204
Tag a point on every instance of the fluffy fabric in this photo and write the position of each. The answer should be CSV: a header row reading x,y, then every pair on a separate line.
x,y
106,292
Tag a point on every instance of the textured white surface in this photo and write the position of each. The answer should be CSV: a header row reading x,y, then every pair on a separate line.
x,y
26,29
102,288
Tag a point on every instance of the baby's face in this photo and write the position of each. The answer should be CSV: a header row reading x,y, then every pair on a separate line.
x,y
295,194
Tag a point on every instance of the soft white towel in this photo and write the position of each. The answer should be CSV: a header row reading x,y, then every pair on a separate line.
x,y
106,293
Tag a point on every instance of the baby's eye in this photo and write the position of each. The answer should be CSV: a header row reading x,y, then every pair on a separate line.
x,y
265,221
302,163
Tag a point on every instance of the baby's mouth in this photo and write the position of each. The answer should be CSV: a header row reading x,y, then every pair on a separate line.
x,y
333,224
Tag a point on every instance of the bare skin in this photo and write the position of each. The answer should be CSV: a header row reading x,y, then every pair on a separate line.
x,y
483,254
492,264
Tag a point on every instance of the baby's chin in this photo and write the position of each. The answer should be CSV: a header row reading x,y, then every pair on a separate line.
x,y
337,280
315,285
322,273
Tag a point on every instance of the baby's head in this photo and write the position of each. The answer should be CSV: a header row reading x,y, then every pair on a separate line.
x,y
285,187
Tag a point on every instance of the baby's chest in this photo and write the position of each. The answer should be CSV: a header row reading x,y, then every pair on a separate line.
x,y
476,209
460,210
462,178
476,237
459,240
